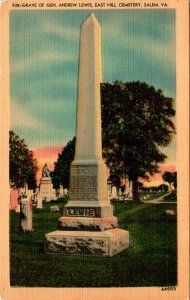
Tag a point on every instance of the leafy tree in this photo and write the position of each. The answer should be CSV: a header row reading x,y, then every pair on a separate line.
x,y
170,177
62,165
136,121
22,164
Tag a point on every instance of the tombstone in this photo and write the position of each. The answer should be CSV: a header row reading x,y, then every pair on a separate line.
x,y
128,186
170,212
120,195
88,226
46,186
65,191
109,186
22,190
120,192
130,196
26,214
17,210
54,208
29,193
61,191
14,194
39,201
34,198
114,193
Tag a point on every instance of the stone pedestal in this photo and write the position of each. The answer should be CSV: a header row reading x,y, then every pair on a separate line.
x,y
106,243
87,224
46,189
88,189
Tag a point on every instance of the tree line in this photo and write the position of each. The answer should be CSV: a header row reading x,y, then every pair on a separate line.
x,y
136,123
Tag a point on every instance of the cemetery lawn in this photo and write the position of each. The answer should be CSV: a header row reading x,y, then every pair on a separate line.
x,y
151,259
171,197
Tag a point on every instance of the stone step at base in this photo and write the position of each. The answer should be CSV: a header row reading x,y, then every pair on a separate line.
x,y
104,243
87,224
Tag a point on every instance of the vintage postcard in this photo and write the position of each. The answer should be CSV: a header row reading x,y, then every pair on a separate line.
x,y
94,149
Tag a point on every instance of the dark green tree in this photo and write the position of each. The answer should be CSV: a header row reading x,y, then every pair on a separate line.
x,y
170,177
62,165
22,164
136,121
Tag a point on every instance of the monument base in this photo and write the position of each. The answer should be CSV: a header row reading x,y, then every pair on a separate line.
x,y
104,243
87,224
87,209
46,190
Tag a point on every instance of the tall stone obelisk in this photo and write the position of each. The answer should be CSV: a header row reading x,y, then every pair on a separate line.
x,y
88,181
88,225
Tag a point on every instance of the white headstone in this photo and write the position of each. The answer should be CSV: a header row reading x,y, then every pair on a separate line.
x,y
17,210
54,208
26,214
39,201
114,193
65,191
61,191
128,190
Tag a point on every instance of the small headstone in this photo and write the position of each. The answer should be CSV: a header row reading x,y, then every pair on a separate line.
x,y
114,193
39,201
26,214
17,210
128,187
29,193
109,185
170,212
65,191
54,208
61,191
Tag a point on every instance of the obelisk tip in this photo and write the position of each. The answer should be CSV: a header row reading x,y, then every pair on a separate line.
x,y
91,19
92,15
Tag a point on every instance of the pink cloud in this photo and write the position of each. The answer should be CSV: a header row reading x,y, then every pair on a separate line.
x,y
49,155
163,168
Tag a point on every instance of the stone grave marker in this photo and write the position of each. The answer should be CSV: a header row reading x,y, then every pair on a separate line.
x,y
26,214
88,226
46,186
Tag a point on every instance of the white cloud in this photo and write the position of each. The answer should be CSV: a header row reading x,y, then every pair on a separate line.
x,y
22,119
63,32
140,44
38,59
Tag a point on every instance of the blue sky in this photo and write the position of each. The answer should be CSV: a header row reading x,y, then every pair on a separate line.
x,y
44,52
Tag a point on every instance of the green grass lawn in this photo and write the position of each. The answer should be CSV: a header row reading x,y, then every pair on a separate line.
x,y
151,196
151,259
171,197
